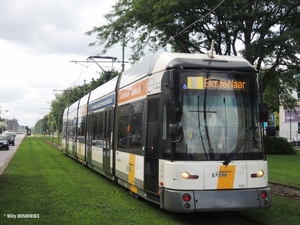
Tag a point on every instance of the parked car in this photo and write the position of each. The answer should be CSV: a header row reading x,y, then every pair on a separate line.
x,y
100,143
10,137
4,142
297,139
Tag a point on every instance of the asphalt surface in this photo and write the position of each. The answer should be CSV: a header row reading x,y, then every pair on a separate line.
x,y
6,155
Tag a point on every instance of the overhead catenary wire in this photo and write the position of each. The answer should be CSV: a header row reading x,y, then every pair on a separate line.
x,y
195,22
199,19
82,71
179,33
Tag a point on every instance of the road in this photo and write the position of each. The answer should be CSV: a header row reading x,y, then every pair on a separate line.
x,y
6,155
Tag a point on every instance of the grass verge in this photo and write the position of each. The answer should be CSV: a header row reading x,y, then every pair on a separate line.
x,y
284,169
41,180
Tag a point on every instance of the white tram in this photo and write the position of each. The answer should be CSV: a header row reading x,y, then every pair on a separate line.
x,y
181,130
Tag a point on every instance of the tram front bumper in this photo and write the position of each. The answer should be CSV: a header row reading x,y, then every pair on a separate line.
x,y
215,200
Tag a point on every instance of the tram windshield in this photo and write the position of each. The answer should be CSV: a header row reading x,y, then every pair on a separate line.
x,y
220,117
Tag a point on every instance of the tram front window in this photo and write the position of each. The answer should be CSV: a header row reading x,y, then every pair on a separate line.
x,y
218,110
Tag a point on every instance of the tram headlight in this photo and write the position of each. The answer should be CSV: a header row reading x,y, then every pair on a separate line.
x,y
258,174
187,175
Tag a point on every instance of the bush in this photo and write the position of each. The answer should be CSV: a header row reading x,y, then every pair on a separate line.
x,y
279,146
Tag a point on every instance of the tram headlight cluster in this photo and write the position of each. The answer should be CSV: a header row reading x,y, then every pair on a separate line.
x,y
187,175
258,174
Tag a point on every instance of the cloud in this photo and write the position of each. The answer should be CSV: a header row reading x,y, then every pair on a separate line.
x,y
50,26
38,39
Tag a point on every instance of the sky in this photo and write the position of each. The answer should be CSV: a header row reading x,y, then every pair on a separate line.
x,y
38,41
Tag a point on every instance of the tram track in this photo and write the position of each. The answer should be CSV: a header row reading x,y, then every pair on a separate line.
x,y
285,191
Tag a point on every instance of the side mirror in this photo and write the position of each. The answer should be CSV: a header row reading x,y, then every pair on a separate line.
x,y
178,111
263,112
175,131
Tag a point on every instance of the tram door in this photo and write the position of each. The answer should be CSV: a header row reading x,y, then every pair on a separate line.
x,y
89,138
152,145
107,146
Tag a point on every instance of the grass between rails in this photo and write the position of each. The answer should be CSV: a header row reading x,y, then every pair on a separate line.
x,y
41,180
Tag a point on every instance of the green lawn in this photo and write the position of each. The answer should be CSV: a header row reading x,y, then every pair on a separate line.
x,y
284,169
42,180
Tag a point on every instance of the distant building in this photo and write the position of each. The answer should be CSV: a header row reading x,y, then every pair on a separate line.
x,y
2,126
289,120
12,124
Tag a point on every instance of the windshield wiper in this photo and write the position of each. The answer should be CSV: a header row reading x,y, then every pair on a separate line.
x,y
199,128
243,140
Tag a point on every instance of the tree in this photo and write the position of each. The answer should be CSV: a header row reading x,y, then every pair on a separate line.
x,y
266,33
66,98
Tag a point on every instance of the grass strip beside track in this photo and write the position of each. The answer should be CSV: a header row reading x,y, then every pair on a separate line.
x,y
41,180
284,169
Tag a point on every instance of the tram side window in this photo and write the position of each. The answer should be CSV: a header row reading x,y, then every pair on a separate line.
x,y
131,127
75,129
108,128
70,129
153,127
96,133
82,129
64,130
123,128
136,131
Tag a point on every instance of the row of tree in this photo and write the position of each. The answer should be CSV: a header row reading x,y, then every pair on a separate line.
x,y
266,33
52,122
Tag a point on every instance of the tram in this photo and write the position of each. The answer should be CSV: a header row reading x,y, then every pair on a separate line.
x,y
177,129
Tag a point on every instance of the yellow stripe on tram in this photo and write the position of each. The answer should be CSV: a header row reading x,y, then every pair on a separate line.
x,y
226,177
131,171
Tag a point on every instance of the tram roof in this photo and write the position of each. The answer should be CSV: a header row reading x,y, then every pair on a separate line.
x,y
103,90
170,60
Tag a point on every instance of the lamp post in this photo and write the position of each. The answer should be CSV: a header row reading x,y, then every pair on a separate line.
x,y
58,114
68,102
50,125
58,120
44,122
